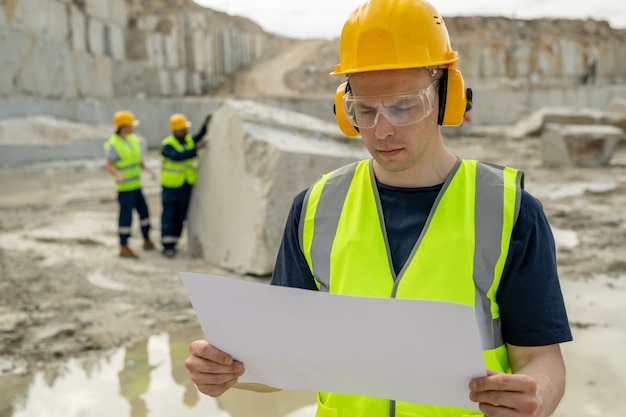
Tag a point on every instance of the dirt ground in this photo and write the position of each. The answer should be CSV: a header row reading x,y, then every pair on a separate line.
x,y
64,292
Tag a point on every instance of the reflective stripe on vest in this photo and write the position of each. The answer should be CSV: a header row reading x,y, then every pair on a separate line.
x,y
129,163
175,173
472,219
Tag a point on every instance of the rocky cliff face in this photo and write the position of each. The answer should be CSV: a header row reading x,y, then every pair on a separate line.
x,y
544,52
512,53
69,49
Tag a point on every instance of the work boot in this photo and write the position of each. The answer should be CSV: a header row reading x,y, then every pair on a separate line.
x,y
148,245
126,252
169,252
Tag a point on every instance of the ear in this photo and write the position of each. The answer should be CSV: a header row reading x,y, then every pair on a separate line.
x,y
454,98
344,124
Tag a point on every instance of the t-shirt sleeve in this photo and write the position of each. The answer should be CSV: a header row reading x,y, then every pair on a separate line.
x,y
291,268
112,154
531,303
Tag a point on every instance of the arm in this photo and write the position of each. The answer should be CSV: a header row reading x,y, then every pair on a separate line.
x,y
197,137
534,323
534,389
169,152
110,168
147,168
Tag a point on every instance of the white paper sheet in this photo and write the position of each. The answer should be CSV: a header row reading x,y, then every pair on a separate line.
x,y
407,350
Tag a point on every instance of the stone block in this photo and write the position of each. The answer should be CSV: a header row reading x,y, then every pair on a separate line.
x,y
579,145
16,45
171,46
57,81
117,49
47,19
178,83
136,46
154,45
93,75
3,19
95,36
45,138
98,9
118,12
617,105
148,23
129,78
258,158
77,29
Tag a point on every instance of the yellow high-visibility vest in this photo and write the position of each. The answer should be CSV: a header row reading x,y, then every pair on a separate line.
x,y
129,163
459,257
176,173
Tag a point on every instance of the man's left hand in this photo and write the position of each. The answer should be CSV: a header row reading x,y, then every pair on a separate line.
x,y
505,395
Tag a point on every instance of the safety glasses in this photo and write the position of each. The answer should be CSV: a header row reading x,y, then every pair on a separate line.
x,y
399,109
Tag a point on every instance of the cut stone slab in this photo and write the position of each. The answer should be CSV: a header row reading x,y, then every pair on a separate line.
x,y
534,124
257,159
580,145
45,138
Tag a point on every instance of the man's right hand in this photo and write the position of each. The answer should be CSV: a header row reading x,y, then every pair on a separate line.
x,y
120,177
213,371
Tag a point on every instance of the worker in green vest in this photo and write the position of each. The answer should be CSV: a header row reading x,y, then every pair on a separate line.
x,y
124,162
416,221
178,175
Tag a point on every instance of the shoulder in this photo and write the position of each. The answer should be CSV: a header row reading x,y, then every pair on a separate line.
x,y
531,211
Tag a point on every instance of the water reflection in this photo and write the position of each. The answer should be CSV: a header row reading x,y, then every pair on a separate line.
x,y
146,380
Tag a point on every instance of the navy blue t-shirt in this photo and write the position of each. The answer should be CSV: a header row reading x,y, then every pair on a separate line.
x,y
531,303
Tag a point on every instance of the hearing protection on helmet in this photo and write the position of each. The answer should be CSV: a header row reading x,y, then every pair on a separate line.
x,y
400,34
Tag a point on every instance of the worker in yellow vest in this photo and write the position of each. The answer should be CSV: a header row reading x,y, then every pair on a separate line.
x,y
124,161
416,221
178,175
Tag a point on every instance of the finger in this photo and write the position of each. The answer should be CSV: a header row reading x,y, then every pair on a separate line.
x,y
504,382
215,390
202,349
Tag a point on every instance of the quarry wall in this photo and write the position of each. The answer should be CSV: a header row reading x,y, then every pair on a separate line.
x,y
67,49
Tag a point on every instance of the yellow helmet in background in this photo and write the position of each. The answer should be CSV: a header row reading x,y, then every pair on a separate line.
x,y
124,118
179,122
394,34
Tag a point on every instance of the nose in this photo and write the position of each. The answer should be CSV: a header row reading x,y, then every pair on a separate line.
x,y
382,126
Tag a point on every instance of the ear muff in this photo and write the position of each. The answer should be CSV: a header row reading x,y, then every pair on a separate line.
x,y
344,124
454,99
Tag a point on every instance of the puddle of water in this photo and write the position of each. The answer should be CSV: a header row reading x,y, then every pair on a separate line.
x,y
146,380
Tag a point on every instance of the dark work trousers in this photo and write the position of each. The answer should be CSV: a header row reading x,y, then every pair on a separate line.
x,y
128,201
175,205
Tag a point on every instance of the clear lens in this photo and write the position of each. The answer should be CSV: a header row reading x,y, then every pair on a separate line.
x,y
399,109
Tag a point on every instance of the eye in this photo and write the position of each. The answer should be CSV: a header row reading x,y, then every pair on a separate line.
x,y
363,109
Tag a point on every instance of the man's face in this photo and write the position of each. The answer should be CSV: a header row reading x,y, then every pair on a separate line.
x,y
126,130
180,134
397,149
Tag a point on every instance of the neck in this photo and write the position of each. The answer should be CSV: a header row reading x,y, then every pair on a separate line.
x,y
425,173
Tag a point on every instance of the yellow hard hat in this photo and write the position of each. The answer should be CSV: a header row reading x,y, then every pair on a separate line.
x,y
179,122
394,34
124,118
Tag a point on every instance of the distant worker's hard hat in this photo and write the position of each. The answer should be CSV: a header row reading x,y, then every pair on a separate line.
x,y
394,34
179,122
124,118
